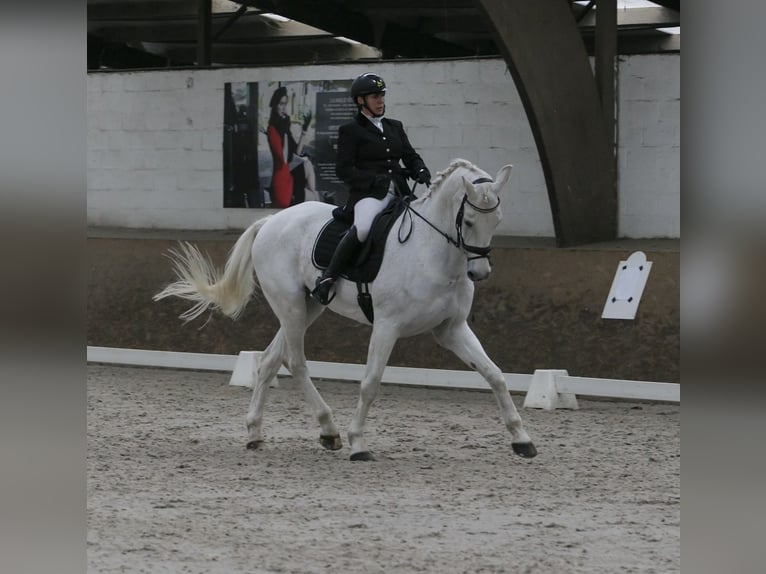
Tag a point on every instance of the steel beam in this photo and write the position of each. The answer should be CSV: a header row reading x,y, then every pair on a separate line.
x,y
548,62
606,54
392,38
637,19
204,32
230,22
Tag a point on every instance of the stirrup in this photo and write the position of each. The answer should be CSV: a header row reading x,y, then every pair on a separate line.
x,y
320,294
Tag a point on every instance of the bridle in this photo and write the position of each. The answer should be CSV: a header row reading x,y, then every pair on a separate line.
x,y
477,252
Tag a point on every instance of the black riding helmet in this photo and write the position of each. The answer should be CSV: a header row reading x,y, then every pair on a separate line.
x,y
367,84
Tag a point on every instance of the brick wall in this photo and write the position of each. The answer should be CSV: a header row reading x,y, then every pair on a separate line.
x,y
155,140
649,127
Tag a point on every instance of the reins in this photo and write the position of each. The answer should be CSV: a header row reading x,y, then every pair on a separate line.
x,y
478,252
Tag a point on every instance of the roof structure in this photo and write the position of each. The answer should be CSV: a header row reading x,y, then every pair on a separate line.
x,y
546,44
129,34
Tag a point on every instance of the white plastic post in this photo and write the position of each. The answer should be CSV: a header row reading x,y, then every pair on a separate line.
x,y
244,370
542,393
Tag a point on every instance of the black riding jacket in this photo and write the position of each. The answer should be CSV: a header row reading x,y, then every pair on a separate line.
x,y
368,159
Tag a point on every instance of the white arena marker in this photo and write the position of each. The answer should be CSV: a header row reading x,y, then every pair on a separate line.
x,y
246,369
627,287
543,394
563,384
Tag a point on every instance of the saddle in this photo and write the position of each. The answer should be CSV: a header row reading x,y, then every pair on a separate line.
x,y
367,264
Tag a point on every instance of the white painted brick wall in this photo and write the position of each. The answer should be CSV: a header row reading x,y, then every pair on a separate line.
x,y
649,139
155,140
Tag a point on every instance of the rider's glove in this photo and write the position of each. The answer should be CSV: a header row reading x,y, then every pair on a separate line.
x,y
424,177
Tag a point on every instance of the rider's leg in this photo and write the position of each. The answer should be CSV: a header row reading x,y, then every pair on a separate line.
x,y
365,211
344,252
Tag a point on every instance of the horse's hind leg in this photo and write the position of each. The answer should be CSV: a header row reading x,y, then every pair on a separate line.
x,y
462,341
281,351
268,366
295,314
329,436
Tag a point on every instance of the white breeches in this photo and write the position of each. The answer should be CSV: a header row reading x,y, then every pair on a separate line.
x,y
365,211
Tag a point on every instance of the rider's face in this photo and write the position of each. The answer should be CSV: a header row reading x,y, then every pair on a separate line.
x,y
376,102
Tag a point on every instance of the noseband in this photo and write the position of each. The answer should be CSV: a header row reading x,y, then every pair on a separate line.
x,y
478,252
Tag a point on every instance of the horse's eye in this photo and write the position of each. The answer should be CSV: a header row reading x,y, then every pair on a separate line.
x,y
468,224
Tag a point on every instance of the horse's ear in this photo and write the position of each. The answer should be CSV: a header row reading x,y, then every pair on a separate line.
x,y
502,177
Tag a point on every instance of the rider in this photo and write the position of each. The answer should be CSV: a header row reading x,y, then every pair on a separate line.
x,y
370,149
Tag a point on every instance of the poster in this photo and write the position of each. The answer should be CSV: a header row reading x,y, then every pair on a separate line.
x,y
280,140
240,141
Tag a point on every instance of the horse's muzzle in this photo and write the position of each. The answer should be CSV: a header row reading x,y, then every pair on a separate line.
x,y
478,274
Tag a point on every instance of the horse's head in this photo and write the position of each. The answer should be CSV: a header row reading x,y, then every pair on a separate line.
x,y
477,215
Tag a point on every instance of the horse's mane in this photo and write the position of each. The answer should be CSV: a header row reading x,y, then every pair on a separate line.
x,y
444,174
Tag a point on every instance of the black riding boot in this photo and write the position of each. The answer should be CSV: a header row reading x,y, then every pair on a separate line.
x,y
344,253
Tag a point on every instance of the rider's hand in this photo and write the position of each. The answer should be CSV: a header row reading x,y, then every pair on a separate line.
x,y
306,120
424,177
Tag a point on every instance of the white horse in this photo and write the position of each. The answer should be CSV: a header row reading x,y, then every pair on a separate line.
x,y
424,284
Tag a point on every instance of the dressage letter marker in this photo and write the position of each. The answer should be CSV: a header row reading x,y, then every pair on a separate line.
x,y
627,287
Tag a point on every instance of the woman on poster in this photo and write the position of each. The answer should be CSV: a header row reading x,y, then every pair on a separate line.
x,y
292,180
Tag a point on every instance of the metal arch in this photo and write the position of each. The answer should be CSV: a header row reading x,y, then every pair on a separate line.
x,y
549,64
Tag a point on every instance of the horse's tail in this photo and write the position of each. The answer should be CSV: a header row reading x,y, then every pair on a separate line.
x,y
198,280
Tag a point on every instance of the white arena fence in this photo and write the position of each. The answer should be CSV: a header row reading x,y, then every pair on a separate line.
x,y
546,388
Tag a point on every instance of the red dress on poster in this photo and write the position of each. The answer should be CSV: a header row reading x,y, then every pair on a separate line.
x,y
292,174
281,178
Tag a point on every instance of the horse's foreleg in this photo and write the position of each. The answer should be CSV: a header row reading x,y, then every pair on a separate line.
x,y
381,344
462,341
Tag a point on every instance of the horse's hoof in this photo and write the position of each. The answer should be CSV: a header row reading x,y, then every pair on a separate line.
x,y
254,445
364,455
524,449
331,442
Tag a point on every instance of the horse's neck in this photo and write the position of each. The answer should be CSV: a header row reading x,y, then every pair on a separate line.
x,y
437,207
437,210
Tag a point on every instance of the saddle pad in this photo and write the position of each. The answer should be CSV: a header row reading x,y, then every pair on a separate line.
x,y
370,257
